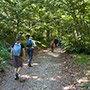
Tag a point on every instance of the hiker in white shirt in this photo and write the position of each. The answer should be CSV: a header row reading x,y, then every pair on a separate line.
x,y
30,44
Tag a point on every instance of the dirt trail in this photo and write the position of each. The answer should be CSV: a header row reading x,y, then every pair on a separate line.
x,y
47,73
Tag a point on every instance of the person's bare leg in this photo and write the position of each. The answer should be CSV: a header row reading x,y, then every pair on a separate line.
x,y
15,70
19,69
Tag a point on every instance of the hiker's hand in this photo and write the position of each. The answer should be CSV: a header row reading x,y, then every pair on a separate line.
x,y
12,60
23,60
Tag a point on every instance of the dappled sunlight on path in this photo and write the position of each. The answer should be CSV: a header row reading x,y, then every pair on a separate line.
x,y
47,73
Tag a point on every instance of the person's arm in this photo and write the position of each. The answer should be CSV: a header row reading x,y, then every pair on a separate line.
x,y
23,49
54,45
34,44
11,54
24,53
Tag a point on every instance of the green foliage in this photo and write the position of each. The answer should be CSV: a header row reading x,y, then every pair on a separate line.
x,y
81,61
2,63
4,54
4,44
72,44
81,58
43,43
45,20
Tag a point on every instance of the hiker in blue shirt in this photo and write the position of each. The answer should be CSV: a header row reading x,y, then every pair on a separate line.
x,y
16,57
60,41
30,44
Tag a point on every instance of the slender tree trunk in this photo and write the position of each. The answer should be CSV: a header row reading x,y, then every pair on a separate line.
x,y
75,27
17,15
89,27
47,35
29,24
51,35
17,26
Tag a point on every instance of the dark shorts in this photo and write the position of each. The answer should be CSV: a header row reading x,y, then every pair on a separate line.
x,y
17,61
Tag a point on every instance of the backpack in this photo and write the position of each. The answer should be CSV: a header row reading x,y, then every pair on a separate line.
x,y
29,43
51,44
60,41
17,49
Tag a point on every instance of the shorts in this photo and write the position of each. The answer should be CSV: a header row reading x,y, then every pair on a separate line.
x,y
17,61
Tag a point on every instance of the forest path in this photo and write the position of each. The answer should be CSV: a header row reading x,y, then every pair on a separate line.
x,y
47,73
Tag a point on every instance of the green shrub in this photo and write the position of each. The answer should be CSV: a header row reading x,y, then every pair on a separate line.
x,y
2,63
72,45
4,54
4,44
81,61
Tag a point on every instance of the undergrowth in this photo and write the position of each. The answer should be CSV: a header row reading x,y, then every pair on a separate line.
x,y
81,58
81,64
4,54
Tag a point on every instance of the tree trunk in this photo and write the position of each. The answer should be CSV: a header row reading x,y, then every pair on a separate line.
x,y
47,35
75,27
51,36
17,27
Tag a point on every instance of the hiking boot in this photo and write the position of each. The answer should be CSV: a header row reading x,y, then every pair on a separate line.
x,y
17,77
29,65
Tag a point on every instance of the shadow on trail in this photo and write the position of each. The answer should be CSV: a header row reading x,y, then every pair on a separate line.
x,y
47,73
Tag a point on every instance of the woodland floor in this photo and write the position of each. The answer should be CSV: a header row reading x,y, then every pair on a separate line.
x,y
49,71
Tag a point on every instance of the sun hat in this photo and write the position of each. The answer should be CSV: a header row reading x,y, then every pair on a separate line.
x,y
17,38
30,37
